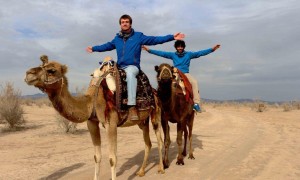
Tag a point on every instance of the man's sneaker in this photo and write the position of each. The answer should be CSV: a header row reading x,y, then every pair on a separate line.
x,y
133,116
197,108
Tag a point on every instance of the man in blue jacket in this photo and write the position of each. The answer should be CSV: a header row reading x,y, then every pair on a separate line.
x,y
181,60
128,44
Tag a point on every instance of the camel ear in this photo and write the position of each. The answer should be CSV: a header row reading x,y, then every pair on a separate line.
x,y
44,59
64,69
156,68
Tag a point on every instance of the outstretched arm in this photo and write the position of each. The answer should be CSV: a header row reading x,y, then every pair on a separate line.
x,y
204,52
101,48
153,40
168,55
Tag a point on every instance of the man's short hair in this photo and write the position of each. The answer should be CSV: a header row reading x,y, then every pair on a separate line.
x,y
180,43
125,16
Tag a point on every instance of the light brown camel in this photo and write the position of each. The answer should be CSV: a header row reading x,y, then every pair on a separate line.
x,y
175,109
50,78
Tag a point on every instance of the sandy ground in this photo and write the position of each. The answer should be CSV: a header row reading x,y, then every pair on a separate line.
x,y
229,143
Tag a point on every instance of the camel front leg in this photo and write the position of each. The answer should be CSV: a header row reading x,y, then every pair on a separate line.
x,y
148,145
94,130
167,142
111,131
179,144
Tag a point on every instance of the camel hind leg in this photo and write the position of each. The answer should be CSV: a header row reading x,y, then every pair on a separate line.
x,y
148,145
180,157
190,127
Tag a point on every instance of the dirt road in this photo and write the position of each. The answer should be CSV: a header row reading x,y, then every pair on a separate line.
x,y
229,143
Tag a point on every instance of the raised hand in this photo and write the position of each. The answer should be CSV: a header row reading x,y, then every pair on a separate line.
x,y
216,47
145,48
89,49
179,36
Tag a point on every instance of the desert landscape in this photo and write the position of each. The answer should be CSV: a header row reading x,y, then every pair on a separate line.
x,y
230,142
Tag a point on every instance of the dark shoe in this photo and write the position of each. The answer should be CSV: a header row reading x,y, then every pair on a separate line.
x,y
133,116
197,108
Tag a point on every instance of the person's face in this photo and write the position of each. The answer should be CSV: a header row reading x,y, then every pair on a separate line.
x,y
180,49
125,25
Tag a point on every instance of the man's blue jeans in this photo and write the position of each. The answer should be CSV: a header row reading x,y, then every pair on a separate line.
x,y
131,73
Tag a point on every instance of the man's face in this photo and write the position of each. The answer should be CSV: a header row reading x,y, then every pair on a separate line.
x,y
125,25
180,49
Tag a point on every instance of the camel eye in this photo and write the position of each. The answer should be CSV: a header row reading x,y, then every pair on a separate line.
x,y
51,71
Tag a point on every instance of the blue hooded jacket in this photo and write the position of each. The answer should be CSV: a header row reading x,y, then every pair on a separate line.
x,y
181,61
129,50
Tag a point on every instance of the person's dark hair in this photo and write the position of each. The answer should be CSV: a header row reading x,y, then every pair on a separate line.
x,y
125,16
180,43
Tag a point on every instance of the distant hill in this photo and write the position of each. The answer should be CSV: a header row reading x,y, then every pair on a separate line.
x,y
34,96
41,95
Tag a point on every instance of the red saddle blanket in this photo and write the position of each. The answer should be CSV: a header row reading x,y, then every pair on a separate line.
x,y
188,87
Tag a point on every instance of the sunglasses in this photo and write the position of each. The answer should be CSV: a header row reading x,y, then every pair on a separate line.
x,y
110,62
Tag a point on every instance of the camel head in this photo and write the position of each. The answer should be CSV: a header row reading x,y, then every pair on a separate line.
x,y
47,75
164,72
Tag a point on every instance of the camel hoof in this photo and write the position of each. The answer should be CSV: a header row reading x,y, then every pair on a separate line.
x,y
180,162
184,153
140,174
166,165
161,171
191,156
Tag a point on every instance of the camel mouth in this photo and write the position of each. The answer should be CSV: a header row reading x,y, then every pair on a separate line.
x,y
31,79
49,82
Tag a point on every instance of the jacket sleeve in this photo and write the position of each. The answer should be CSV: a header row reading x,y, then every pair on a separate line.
x,y
153,40
201,53
168,55
105,47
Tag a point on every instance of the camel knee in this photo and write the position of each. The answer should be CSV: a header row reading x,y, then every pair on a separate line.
x,y
97,159
112,162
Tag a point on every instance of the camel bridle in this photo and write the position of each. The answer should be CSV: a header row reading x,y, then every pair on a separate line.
x,y
165,71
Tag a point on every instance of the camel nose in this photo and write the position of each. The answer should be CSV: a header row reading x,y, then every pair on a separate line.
x,y
165,74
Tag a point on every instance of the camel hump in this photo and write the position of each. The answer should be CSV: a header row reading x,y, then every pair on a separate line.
x,y
44,59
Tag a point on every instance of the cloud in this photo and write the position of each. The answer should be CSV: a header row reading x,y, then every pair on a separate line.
x,y
259,41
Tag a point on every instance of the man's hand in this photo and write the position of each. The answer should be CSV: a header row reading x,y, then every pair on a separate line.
x,y
216,47
89,49
145,48
179,36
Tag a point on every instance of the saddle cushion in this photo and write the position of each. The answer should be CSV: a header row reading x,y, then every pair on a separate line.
x,y
144,96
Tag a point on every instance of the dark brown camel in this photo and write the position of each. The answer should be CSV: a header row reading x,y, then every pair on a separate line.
x,y
175,109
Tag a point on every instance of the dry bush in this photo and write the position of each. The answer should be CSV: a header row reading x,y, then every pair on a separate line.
x,y
287,107
296,105
259,106
10,106
66,125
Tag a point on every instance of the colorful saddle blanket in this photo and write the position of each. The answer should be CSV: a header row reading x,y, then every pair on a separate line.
x,y
144,96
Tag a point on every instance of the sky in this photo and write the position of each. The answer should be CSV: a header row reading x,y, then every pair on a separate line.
x,y
259,56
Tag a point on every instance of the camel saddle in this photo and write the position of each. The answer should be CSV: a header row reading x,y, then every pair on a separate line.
x,y
183,85
144,95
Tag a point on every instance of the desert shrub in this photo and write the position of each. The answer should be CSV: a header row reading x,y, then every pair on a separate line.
x,y
287,107
66,125
10,105
259,106
296,105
